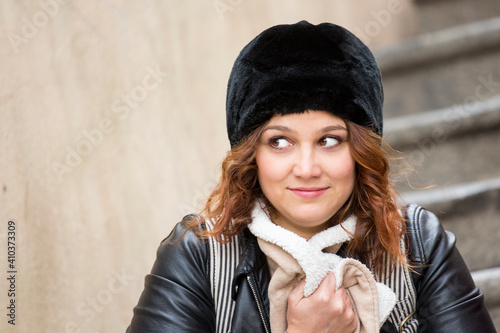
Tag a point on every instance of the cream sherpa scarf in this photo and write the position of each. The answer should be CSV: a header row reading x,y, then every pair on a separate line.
x,y
292,257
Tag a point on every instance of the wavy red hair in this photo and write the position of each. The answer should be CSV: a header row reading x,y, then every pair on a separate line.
x,y
380,227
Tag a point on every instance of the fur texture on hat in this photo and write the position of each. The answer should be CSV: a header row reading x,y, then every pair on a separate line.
x,y
297,67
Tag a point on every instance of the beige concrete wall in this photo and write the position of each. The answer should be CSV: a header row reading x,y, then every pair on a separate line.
x,y
111,129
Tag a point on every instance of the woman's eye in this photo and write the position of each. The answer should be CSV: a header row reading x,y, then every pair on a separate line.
x,y
328,142
279,143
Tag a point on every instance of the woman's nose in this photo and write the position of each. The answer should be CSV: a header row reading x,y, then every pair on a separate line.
x,y
306,164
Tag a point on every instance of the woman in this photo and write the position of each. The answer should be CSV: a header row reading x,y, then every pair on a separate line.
x,y
302,232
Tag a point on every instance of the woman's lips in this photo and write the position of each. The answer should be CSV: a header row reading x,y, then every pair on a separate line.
x,y
308,192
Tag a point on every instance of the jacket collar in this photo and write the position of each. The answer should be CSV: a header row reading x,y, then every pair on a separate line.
x,y
252,259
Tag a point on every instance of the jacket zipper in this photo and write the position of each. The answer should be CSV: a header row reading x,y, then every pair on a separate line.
x,y
249,279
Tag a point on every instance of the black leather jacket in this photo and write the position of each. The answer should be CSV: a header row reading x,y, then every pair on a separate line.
x,y
177,297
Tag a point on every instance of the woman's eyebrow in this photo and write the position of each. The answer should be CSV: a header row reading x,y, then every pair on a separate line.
x,y
280,128
333,128
288,129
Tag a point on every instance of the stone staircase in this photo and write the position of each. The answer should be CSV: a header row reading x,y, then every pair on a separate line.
x,y
442,111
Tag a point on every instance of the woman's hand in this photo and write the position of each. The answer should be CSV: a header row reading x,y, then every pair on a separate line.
x,y
326,310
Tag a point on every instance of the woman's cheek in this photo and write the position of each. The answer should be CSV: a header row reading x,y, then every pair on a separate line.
x,y
344,167
272,166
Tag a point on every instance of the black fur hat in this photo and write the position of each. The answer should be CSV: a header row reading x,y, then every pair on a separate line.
x,y
297,67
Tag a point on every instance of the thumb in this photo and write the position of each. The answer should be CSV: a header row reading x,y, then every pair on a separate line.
x,y
298,292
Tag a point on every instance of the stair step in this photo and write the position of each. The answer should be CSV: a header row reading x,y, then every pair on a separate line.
x,y
447,122
474,156
440,45
472,212
453,66
488,281
451,197
432,15
446,146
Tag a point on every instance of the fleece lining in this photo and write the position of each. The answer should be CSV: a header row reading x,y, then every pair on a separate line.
x,y
372,301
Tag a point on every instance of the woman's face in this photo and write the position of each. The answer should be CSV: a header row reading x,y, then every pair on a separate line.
x,y
305,169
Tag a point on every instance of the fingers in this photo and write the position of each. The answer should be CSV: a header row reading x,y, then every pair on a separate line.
x,y
337,299
298,292
329,282
326,290
343,302
326,310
